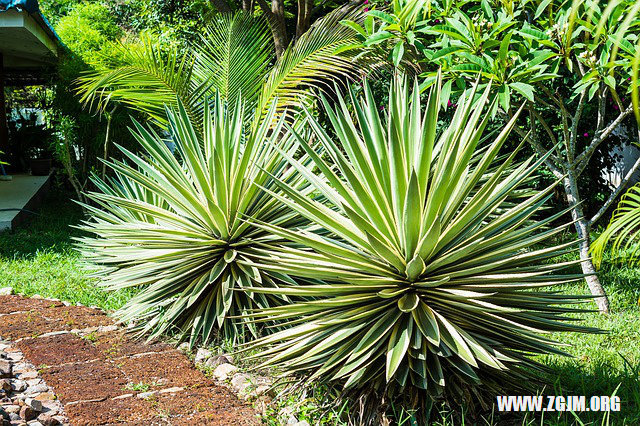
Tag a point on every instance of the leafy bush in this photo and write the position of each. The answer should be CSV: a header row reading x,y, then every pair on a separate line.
x,y
429,271
175,225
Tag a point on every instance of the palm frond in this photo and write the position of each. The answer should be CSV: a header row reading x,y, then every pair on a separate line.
x,y
315,60
623,231
146,77
233,57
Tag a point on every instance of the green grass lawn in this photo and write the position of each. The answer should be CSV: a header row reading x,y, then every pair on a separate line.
x,y
38,258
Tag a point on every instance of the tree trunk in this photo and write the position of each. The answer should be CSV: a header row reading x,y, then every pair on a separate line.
x,y
583,229
305,8
278,27
4,129
247,5
222,6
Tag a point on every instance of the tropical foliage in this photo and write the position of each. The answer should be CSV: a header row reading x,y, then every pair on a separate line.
x,y
571,62
231,58
431,283
176,224
622,232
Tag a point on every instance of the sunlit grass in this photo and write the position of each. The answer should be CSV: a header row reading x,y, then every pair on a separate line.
x,y
38,258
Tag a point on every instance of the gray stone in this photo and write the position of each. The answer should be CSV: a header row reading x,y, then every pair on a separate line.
x,y
216,360
184,347
34,403
37,296
223,371
27,413
12,409
14,417
6,291
202,355
302,423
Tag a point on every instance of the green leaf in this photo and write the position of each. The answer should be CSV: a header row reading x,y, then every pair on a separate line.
x,y
397,53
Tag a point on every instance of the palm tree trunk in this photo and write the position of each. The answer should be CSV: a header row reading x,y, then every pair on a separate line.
x,y
583,228
275,16
305,8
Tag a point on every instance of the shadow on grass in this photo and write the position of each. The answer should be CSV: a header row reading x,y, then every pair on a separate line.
x,y
598,379
49,229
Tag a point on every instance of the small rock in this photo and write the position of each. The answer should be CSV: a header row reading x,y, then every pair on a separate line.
x,y
14,417
302,423
37,389
65,303
240,382
34,423
5,369
27,375
262,390
34,403
146,395
46,396
292,421
163,381
15,356
223,371
216,360
6,291
107,328
48,420
37,297
12,409
5,385
172,390
18,385
184,347
126,395
201,355
27,413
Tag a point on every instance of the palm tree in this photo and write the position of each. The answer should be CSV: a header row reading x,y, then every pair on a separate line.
x,y
234,56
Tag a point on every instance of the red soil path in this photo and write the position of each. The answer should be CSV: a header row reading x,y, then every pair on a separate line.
x,y
92,367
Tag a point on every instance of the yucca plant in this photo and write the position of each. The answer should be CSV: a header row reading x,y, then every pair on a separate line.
x,y
175,224
430,279
622,232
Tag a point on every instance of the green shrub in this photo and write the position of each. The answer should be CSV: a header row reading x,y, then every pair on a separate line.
x,y
175,224
429,271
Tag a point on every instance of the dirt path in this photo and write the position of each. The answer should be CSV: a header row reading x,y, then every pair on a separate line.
x,y
100,376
